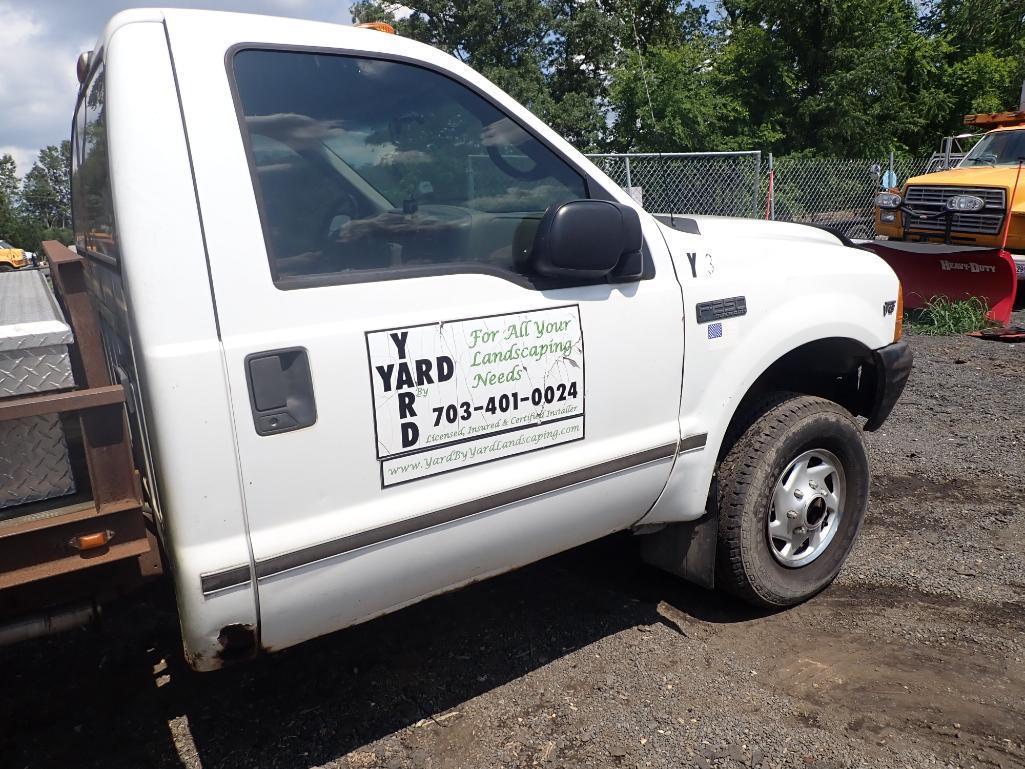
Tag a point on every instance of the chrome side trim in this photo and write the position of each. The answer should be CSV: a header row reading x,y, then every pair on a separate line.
x,y
693,443
216,581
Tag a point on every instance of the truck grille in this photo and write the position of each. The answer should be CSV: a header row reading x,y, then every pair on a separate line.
x,y
934,199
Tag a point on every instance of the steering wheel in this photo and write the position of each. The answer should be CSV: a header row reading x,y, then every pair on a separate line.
x,y
507,168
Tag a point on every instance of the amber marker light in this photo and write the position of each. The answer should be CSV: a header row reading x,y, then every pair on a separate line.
x,y
380,26
93,541
898,326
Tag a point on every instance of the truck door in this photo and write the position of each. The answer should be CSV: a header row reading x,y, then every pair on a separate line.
x,y
414,409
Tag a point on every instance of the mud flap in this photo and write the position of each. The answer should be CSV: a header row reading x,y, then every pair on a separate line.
x,y
892,367
928,270
685,549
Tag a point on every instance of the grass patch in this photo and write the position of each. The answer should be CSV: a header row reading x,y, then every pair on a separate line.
x,y
942,317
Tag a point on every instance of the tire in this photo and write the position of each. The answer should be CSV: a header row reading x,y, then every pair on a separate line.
x,y
6,268
758,473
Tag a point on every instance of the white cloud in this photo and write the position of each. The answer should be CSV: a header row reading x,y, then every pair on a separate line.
x,y
19,28
37,84
401,11
42,41
24,157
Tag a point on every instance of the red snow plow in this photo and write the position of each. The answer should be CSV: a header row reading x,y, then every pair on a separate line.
x,y
960,232
928,270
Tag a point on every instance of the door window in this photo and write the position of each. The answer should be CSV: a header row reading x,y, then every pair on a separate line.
x,y
367,169
91,199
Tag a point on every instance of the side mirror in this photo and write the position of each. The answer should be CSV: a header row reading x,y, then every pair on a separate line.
x,y
588,239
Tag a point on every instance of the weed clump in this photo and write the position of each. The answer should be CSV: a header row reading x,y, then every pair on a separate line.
x,y
943,317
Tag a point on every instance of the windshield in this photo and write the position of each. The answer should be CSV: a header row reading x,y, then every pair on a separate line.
x,y
5,244
1000,148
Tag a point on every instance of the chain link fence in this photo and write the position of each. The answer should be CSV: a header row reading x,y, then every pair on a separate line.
x,y
836,192
711,183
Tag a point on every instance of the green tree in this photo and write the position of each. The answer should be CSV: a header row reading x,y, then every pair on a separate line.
x,y
841,77
46,193
845,77
985,54
9,188
9,183
977,26
366,11
557,57
506,42
666,100
582,49
984,82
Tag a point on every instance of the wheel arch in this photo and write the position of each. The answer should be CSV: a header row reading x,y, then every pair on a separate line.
x,y
840,369
837,368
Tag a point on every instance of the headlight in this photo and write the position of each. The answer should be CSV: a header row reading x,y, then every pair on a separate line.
x,y
967,203
887,216
888,200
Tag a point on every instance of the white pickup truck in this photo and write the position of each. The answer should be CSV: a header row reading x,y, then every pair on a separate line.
x,y
383,333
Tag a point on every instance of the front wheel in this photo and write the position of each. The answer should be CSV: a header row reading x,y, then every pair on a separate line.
x,y
792,493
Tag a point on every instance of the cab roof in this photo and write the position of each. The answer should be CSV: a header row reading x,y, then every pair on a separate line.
x,y
240,22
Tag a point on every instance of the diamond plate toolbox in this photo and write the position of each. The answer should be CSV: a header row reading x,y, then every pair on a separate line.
x,y
34,339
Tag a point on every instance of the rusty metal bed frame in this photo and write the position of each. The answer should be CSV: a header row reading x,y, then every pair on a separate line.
x,y
56,554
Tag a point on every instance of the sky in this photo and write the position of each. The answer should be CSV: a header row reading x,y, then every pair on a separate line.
x,y
41,43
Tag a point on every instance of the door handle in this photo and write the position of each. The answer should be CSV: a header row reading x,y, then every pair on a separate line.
x,y
280,390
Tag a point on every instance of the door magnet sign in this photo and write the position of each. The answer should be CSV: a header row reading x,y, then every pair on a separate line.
x,y
458,393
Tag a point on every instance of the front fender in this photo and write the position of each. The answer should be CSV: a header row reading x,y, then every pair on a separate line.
x,y
795,291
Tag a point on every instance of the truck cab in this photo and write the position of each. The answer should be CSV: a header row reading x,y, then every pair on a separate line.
x,y
382,333
978,203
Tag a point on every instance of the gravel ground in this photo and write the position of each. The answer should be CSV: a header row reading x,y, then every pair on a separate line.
x,y
913,658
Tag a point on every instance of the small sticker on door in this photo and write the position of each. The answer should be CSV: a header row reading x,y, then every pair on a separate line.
x,y
458,393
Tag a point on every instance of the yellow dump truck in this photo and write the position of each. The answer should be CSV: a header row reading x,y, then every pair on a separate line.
x,y
969,204
12,258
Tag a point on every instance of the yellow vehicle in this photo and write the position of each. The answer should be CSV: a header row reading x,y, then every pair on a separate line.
x,y
969,204
12,258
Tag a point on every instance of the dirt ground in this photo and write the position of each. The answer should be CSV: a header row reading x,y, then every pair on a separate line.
x,y
913,658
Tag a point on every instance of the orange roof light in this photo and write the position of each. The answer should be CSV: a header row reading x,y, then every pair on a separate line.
x,y
995,119
380,26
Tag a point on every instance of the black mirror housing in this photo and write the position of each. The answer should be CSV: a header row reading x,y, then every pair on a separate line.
x,y
588,239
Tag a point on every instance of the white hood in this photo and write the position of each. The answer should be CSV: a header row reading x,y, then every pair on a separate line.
x,y
734,227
